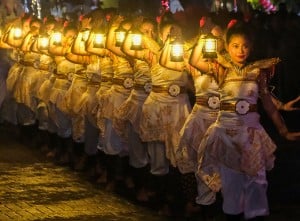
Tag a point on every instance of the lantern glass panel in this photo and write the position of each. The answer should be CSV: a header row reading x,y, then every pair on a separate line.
x,y
136,41
176,52
210,45
43,42
17,33
120,36
57,38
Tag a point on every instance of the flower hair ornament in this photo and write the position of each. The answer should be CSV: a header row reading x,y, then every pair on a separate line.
x,y
231,23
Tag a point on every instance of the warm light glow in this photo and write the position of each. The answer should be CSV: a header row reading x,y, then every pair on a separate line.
x,y
99,40
136,41
17,33
43,42
210,45
120,36
57,37
176,51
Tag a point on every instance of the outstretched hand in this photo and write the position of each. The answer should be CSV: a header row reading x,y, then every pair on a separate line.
x,y
289,106
292,136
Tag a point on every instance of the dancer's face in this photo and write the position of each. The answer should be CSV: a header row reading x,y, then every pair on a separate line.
x,y
239,49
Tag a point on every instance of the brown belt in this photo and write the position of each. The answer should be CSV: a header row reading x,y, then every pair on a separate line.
x,y
127,83
146,87
173,90
93,83
240,107
26,63
61,76
212,102
106,79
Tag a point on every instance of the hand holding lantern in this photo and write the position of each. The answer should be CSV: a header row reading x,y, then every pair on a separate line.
x,y
97,37
120,36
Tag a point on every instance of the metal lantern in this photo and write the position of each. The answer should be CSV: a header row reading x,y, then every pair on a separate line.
x,y
210,47
57,38
120,36
136,40
176,51
17,33
43,42
99,38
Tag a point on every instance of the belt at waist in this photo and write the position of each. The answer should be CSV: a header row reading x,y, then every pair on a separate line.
x,y
143,87
93,83
212,102
26,63
106,79
127,83
240,107
173,90
61,76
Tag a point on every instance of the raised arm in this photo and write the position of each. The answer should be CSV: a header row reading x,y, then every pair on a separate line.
x,y
96,50
196,58
111,37
128,50
166,57
79,44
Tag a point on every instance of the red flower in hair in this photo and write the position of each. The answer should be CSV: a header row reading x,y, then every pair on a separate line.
x,y
81,17
108,17
202,21
66,23
231,23
158,19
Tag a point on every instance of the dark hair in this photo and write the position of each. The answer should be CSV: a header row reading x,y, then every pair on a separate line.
x,y
25,17
71,26
240,28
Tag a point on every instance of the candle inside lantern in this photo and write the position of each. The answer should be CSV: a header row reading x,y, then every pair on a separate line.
x,y
57,37
176,51
120,36
99,40
43,42
136,41
17,33
210,47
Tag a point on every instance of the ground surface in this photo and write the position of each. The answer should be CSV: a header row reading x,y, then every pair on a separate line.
x,y
34,188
